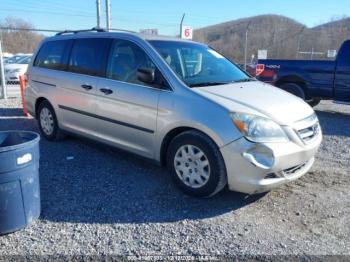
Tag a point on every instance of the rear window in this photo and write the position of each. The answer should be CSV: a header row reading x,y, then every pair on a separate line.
x,y
53,55
88,56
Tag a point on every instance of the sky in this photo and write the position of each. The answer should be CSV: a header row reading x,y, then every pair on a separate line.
x,y
166,15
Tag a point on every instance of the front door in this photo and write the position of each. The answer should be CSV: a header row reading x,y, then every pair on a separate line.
x,y
126,107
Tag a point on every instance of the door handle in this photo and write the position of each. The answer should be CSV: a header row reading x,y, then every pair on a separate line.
x,y
86,87
106,91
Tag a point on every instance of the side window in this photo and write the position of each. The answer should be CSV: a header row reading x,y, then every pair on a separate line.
x,y
88,56
125,59
53,55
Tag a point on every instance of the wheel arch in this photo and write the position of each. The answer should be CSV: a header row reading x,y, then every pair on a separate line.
x,y
294,79
38,101
170,135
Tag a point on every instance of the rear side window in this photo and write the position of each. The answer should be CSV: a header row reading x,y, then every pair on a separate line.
x,y
53,55
88,56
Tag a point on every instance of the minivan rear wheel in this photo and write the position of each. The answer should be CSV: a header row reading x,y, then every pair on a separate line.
x,y
196,164
48,124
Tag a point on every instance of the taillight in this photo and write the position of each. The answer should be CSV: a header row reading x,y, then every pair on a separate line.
x,y
259,69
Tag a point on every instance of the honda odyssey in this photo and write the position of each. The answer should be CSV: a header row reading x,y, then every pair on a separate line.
x,y
178,102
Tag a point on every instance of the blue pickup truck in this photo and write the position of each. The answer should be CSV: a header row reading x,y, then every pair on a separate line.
x,y
309,79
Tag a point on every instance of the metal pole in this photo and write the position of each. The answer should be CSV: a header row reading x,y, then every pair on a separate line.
x,y
246,46
299,41
98,13
298,50
108,15
182,20
245,50
2,76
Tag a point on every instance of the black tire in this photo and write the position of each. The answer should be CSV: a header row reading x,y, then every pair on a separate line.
x,y
294,89
217,176
314,102
56,134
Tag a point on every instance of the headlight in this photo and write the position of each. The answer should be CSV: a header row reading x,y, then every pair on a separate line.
x,y
258,129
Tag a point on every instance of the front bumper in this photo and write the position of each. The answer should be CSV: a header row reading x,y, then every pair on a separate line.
x,y
12,77
280,164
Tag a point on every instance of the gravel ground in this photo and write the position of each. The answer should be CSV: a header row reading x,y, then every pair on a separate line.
x,y
108,202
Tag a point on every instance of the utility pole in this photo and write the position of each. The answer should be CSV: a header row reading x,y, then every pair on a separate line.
x,y
299,41
298,50
108,15
3,93
246,47
182,20
98,13
245,50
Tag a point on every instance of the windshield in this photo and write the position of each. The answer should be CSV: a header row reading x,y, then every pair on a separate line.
x,y
198,65
24,60
14,59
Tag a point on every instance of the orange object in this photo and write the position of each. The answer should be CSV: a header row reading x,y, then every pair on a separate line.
x,y
240,125
22,84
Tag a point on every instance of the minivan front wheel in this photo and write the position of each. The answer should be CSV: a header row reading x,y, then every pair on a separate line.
x,y
48,124
196,165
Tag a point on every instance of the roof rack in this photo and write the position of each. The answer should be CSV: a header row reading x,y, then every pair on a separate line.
x,y
122,30
96,29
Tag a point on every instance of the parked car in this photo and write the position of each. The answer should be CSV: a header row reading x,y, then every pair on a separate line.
x,y
311,80
6,56
250,68
15,58
13,71
210,123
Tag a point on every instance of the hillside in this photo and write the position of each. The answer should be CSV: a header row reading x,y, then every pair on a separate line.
x,y
281,36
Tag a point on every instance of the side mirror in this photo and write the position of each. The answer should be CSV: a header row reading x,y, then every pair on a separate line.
x,y
146,75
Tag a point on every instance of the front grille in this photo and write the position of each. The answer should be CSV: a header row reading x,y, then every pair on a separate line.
x,y
286,173
271,175
307,129
309,133
293,170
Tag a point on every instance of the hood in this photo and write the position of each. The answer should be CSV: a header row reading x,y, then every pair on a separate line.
x,y
259,98
10,67
15,66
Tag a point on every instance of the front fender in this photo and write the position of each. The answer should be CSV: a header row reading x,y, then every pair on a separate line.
x,y
192,111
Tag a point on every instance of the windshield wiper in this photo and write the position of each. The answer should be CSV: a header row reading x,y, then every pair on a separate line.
x,y
208,84
245,80
222,83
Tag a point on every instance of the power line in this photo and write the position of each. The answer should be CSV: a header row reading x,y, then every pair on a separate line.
x,y
135,21
30,29
46,12
49,7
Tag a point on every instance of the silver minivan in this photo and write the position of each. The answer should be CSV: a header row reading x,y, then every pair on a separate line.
x,y
177,102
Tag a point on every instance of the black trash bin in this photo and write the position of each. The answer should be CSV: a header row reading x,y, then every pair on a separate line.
x,y
19,180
